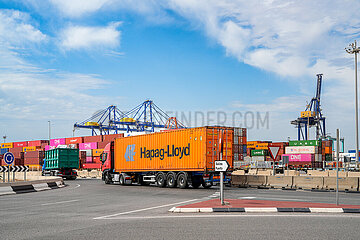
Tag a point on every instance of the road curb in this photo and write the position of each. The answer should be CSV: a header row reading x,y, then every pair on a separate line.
x,y
32,187
265,210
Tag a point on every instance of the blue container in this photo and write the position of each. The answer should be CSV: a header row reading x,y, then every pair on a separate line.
x,y
352,151
244,149
4,150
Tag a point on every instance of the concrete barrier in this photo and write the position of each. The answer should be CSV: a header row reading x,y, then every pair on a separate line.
x,y
83,174
353,174
345,183
256,181
93,174
252,171
317,173
279,181
307,182
265,172
291,173
332,173
239,180
238,172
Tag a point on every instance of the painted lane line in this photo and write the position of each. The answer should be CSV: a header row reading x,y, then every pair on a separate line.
x,y
145,209
241,215
247,197
53,203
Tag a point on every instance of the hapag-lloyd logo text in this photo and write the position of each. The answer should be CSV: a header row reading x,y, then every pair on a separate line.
x,y
130,153
169,151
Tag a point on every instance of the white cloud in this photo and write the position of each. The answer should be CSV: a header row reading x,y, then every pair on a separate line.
x,y
76,8
77,37
16,30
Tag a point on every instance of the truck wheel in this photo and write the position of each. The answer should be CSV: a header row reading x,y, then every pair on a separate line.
x,y
122,180
107,178
160,180
171,180
207,185
182,181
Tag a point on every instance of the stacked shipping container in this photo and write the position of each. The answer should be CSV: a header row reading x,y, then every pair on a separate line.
x,y
32,153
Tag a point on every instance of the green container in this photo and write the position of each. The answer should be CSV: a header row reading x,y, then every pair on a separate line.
x,y
305,143
258,152
62,158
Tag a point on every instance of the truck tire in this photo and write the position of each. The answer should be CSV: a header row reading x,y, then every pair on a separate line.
x,y
107,178
122,180
206,185
160,180
171,180
182,181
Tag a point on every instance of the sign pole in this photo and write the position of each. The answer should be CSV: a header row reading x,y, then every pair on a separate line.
x,y
4,176
337,166
8,173
13,172
221,184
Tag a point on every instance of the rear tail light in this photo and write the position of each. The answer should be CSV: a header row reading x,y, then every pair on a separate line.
x,y
206,175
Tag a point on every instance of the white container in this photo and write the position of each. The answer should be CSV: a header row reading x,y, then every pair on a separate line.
x,y
301,150
318,158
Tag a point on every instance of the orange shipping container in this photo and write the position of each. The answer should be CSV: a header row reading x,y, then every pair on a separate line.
x,y
28,149
193,149
74,140
7,145
97,152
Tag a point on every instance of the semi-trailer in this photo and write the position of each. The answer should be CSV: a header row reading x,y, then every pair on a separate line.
x,y
177,158
61,162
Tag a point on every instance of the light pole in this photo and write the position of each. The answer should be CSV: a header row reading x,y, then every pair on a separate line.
x,y
4,137
353,49
49,131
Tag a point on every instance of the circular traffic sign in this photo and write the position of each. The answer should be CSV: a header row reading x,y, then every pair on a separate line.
x,y
9,158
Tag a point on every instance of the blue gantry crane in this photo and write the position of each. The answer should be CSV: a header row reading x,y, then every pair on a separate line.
x,y
146,117
312,116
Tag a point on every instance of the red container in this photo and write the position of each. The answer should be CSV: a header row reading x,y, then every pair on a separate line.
x,y
111,137
37,143
96,160
91,165
74,140
18,161
15,149
102,145
92,139
19,144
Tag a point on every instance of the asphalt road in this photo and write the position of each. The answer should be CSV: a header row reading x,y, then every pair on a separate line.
x,y
89,209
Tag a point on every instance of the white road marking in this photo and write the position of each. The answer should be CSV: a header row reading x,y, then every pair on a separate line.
x,y
247,197
241,215
53,203
145,209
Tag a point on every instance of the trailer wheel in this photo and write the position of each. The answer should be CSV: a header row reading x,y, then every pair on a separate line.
x,y
182,181
122,180
160,180
171,180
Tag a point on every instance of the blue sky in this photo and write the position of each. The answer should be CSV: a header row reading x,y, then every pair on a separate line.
x,y
64,60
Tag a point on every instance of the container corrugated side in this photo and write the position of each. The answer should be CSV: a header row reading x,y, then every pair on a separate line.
x,y
181,150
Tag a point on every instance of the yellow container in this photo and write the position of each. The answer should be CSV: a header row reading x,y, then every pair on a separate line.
x,y
7,145
97,152
29,149
192,149
305,114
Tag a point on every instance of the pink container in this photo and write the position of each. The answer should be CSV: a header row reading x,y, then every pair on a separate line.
x,y
59,141
91,145
300,157
48,147
89,160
